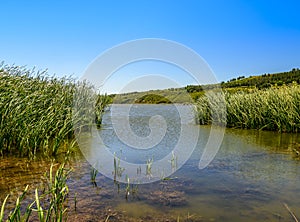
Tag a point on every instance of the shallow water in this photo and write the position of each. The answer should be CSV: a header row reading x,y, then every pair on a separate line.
x,y
252,175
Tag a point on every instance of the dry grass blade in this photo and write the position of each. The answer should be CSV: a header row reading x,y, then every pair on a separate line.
x,y
291,213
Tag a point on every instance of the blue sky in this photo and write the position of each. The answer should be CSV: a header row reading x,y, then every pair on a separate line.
x,y
234,37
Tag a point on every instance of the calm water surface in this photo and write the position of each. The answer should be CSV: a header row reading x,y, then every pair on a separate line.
x,y
253,174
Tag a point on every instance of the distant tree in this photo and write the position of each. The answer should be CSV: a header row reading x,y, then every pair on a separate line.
x,y
279,83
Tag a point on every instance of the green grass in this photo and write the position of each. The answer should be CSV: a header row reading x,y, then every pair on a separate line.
x,y
47,206
149,163
16,214
191,93
36,111
118,170
276,108
165,96
152,98
263,81
101,103
93,174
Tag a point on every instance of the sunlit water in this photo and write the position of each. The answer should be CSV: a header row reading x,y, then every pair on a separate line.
x,y
253,174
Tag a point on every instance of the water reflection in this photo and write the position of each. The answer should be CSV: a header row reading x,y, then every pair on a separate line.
x,y
253,174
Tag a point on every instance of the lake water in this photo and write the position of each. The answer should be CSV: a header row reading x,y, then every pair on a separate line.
x,y
253,174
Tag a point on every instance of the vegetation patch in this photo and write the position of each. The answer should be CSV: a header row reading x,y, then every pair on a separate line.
x,y
276,108
36,111
152,99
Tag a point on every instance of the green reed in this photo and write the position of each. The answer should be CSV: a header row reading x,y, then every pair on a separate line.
x,y
101,104
276,108
16,214
94,173
37,111
149,163
130,189
57,192
49,206
118,170
3,208
127,189
173,161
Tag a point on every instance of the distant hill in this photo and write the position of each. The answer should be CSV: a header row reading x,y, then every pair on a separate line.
x,y
193,92
260,82
265,80
174,95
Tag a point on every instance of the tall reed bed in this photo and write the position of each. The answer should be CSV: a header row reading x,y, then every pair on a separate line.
x,y
37,111
276,109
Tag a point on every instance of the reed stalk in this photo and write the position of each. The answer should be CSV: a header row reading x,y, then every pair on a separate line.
x,y
276,108
39,113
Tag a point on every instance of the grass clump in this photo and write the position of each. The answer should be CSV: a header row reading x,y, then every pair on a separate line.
x,y
48,206
276,108
37,111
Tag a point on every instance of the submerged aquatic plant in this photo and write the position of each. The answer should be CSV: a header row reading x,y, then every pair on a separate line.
x,y
139,170
127,188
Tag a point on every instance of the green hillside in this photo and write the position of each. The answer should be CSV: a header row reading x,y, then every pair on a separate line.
x,y
177,95
194,92
260,82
